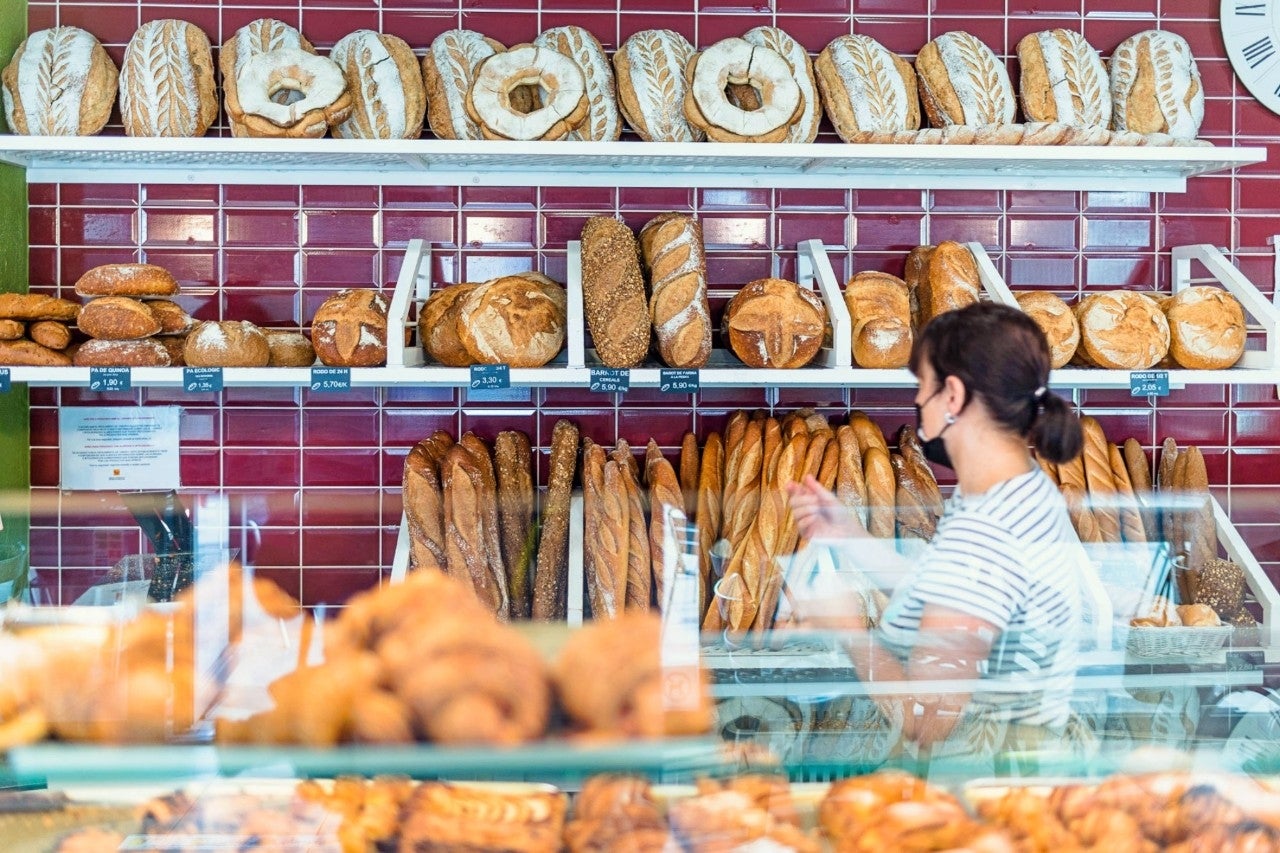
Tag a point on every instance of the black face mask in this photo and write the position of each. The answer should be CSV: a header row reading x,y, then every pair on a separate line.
x,y
934,449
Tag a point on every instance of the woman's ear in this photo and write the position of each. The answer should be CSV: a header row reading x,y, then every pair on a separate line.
x,y
956,391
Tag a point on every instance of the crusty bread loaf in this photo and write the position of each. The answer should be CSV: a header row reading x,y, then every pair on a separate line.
x,y
772,322
743,464
1206,328
438,325
915,271
1122,330
1084,521
1063,80
962,82
850,488
138,280
1200,531
912,519
1168,459
1056,319
117,318
869,435
603,119
613,292
667,527
607,531
173,345
144,352
512,320
1131,525
423,498
389,98
709,513
880,308
289,349
1102,486
558,84
37,306
866,88
12,330
31,354
172,317
228,343
512,461
350,329
650,69
673,253
60,82
805,126
882,491
1135,461
950,282
551,577
50,333
639,585
166,81
1155,85
448,69
469,541
689,469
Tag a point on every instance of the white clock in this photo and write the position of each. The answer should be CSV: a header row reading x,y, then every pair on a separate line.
x,y
1251,30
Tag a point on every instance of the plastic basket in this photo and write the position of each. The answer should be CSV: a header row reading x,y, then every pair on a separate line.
x,y
1180,641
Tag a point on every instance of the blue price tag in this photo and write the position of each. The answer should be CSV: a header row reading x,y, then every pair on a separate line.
x,y
678,381
1149,383
610,380
4,380
110,379
198,380
329,379
490,377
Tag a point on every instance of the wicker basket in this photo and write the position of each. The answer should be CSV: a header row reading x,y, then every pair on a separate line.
x,y
1179,641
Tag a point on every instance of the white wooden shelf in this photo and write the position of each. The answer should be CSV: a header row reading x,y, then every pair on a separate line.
x,y
106,159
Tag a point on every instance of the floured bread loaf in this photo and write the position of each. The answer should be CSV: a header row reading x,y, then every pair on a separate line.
x,y
1206,328
866,88
1056,319
673,253
962,82
773,322
1122,330
386,86
1155,85
776,98
494,99
513,320
805,126
603,120
449,69
226,343
258,37
60,82
650,67
880,308
350,329
166,81
1063,80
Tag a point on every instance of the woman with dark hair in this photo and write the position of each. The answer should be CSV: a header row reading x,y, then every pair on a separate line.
x,y
994,598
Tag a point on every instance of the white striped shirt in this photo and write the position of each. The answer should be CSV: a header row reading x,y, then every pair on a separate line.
x,y
1009,557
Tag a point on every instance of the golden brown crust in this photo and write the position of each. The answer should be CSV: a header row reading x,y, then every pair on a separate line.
x,y
370,108
31,354
156,88
472,546
424,508
674,256
550,579
690,468
349,329
146,352
613,294
512,320
667,527
880,307
1130,518
709,510
172,317
448,69
639,569
36,306
952,281
289,349
607,531
512,458
12,330
772,322
229,343
138,280
443,816
851,488
1056,319
1206,328
117,318
654,104
915,272
1097,472
1122,330
96,100
881,492
438,325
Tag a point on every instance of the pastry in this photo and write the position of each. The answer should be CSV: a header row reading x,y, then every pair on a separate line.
x,y
739,62
31,354
448,69
512,458
1063,80
138,280
171,316
550,578
650,68
144,352
117,318
166,81
603,122
512,320
1056,319
772,322
613,292
289,349
60,82
350,329
880,310
805,127
671,245
962,82
442,816
1122,330
866,88
229,343
950,282
563,105
1206,328
49,333
389,98
1155,85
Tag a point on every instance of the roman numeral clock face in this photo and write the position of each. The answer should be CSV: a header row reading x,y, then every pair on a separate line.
x,y
1251,30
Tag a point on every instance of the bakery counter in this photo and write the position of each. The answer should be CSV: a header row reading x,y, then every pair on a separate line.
x,y
343,162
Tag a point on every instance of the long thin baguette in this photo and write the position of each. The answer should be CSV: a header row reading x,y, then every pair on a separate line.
x,y
1097,473
689,470
550,581
667,527
638,585
512,457
468,538
1083,520
881,492
493,538
869,435
607,532
1135,461
424,509
709,510
742,493
1201,532
1168,459
830,466
851,488
1130,517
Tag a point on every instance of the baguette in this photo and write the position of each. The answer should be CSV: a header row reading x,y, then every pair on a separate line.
x,y
830,465
1135,461
512,456
1130,518
881,492
466,535
1168,459
1050,470
915,272
638,586
919,499
424,509
869,435
667,525
493,538
1201,532
689,471
1083,521
550,580
1097,473
709,512
1071,474
742,493
1176,525
851,488
607,531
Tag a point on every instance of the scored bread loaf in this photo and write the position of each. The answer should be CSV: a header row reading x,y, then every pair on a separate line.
x,y
1206,328
805,126
1056,319
962,82
60,82
172,317
438,325
671,245
1063,80
1155,85
708,514
1131,523
512,320
607,528
950,282
424,503
690,466
639,585
389,99
226,343
166,81
512,458
1097,474
603,119
350,329
882,491
117,318
915,271
866,88
289,349
448,70
468,539
772,322
650,69
666,529
880,309
613,292
1122,330
551,576
850,488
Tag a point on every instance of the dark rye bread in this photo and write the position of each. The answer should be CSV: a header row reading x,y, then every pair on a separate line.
x,y
613,292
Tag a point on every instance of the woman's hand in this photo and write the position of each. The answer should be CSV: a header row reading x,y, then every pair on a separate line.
x,y
819,515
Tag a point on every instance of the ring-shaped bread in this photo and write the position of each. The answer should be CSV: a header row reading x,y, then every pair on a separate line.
x,y
500,77
735,61
325,100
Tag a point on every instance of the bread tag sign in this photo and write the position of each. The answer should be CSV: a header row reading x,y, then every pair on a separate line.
x,y
1149,383
610,380
326,380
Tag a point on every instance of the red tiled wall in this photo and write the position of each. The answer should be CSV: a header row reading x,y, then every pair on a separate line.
x,y
315,480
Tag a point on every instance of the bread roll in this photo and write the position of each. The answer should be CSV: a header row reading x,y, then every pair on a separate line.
x,y
144,352
230,343
613,292
138,280
289,349
880,308
166,81
771,322
866,88
512,320
673,253
438,325
60,82
31,354
650,68
962,82
388,95
1122,330
551,578
1206,328
1155,85
1063,80
36,306
117,318
1198,616
1056,319
604,123
350,329
951,281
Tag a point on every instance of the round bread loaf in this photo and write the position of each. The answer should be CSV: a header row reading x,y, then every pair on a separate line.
x,y
438,325
1122,330
171,316
146,352
117,318
60,82
513,320
51,334
226,343
127,280
350,329
289,349
1206,328
1056,319
772,322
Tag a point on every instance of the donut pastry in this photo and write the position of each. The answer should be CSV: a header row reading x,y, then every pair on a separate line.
x,y
386,87
804,128
1063,80
603,119
166,81
962,82
650,68
866,88
735,61
60,82
491,103
1155,85
448,70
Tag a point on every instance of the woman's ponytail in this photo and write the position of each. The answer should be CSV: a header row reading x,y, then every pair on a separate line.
x,y
1056,431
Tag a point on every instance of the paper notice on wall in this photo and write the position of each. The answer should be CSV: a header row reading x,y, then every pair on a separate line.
x,y
119,448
